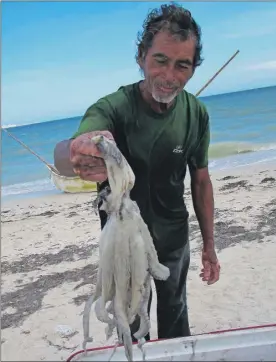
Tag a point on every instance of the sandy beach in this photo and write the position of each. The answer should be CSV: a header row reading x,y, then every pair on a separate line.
x,y
50,254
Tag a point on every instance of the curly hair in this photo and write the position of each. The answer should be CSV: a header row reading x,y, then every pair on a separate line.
x,y
175,19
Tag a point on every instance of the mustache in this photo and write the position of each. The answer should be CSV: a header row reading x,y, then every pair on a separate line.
x,y
166,84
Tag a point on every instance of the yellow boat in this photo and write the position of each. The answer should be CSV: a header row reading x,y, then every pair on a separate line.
x,y
70,184
67,184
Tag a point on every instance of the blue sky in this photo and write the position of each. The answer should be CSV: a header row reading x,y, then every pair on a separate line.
x,y
60,57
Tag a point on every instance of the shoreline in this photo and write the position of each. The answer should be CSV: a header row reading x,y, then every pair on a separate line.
x,y
58,196
50,255
13,198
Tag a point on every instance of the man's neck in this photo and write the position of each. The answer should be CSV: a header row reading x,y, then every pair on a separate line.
x,y
156,106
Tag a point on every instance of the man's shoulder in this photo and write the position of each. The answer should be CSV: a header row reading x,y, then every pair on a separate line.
x,y
119,98
194,103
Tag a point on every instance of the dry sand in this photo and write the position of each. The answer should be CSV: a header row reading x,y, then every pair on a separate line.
x,y
50,253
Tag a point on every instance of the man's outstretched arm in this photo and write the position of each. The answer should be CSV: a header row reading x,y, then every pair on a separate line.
x,y
62,158
98,117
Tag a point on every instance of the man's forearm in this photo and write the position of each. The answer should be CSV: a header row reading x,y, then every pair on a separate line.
x,y
203,201
62,158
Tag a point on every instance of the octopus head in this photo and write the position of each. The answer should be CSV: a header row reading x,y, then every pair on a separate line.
x,y
108,149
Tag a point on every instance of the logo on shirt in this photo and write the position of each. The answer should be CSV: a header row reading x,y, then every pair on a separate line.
x,y
178,149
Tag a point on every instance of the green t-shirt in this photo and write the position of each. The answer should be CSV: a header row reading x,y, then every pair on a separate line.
x,y
157,146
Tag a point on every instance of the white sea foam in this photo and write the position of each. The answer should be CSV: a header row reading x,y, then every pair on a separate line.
x,y
9,125
27,188
244,159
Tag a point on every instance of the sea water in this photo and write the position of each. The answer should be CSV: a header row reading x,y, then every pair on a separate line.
x,y
243,132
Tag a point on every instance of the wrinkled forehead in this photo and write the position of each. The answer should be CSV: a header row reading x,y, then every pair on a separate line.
x,y
173,46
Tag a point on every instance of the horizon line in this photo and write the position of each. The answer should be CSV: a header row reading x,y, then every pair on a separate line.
x,y
12,125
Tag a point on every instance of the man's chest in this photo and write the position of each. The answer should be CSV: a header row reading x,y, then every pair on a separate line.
x,y
159,143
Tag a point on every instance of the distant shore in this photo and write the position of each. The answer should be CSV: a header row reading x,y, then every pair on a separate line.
x,y
50,255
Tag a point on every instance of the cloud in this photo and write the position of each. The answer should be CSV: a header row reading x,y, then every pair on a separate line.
x,y
269,65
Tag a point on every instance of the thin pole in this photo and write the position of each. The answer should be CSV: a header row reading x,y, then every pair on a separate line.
x,y
217,73
25,146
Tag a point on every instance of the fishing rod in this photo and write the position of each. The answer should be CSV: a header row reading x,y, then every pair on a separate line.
x,y
217,73
28,148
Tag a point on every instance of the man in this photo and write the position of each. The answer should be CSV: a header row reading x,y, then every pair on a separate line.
x,y
161,129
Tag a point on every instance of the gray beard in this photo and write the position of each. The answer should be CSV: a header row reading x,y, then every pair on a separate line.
x,y
164,99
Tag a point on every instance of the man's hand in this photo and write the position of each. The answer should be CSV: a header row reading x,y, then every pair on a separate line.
x,y
86,159
211,267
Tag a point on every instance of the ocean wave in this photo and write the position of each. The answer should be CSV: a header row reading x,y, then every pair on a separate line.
x,y
27,187
243,160
9,125
224,155
224,149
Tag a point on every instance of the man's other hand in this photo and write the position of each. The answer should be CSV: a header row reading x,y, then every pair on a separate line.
x,y
211,267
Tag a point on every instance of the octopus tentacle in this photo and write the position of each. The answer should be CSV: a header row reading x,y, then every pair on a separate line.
x,y
112,323
110,328
99,308
117,343
123,326
87,310
141,343
156,269
139,265
143,312
107,247
110,307
122,274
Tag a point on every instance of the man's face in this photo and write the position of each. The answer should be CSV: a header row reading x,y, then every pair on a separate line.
x,y
168,66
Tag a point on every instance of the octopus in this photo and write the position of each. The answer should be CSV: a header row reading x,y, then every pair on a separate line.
x,y
127,258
